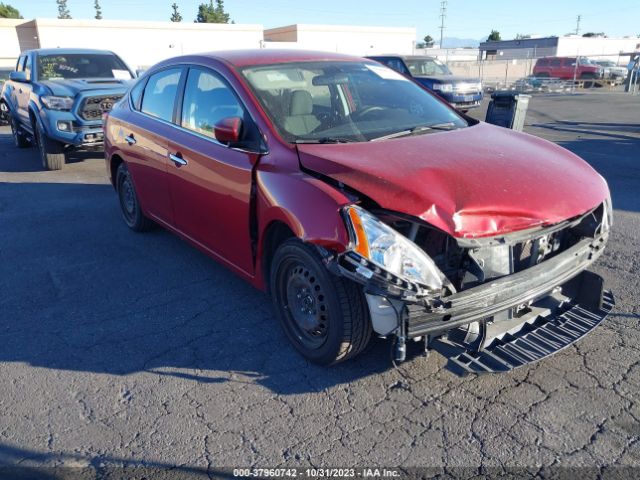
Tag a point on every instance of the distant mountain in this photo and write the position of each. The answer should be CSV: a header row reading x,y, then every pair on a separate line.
x,y
454,42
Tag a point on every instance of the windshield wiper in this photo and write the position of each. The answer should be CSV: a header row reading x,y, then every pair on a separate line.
x,y
416,130
324,140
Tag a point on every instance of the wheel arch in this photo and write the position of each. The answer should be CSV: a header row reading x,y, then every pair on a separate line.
x,y
114,162
297,206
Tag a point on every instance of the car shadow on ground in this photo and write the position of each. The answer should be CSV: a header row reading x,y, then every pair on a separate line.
x,y
79,291
29,158
22,464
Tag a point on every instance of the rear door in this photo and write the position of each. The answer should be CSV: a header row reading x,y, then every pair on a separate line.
x,y
145,141
211,181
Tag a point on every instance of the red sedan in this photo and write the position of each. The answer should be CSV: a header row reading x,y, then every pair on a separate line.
x,y
364,204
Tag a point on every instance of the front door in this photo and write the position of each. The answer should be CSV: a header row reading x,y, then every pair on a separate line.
x,y
210,181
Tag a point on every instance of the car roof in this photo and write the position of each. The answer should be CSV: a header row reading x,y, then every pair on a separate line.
x,y
68,51
245,58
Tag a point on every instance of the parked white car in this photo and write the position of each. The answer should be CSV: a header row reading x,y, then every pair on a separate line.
x,y
612,70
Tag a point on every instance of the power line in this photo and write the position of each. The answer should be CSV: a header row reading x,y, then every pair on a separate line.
x,y
443,16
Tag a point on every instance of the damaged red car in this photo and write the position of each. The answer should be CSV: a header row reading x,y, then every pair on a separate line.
x,y
365,205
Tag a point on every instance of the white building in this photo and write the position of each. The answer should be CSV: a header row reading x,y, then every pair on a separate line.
x,y
142,44
571,45
350,39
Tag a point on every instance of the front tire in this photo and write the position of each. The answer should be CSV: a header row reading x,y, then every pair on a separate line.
x,y
129,203
324,316
51,152
20,139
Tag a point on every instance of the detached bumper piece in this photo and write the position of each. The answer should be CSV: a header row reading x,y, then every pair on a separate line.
x,y
533,342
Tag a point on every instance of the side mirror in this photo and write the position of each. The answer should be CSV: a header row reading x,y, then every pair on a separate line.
x,y
228,129
18,77
139,72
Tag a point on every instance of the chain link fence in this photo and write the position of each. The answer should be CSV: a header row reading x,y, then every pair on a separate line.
x,y
520,75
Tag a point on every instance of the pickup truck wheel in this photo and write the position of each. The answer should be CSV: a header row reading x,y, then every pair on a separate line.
x,y
20,140
51,152
325,316
129,204
587,79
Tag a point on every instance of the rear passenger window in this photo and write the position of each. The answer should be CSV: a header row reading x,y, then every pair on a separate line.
x,y
160,94
543,62
136,94
207,100
555,62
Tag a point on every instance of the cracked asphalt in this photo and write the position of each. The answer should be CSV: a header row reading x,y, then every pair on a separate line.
x,y
119,348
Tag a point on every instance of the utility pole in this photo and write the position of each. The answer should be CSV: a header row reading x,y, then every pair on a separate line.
x,y
443,16
578,24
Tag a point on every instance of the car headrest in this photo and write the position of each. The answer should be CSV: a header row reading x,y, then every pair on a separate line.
x,y
301,103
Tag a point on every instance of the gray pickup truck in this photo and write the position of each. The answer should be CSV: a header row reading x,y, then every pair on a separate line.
x,y
56,98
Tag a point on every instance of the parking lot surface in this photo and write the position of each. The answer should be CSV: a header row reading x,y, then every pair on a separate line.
x,y
123,348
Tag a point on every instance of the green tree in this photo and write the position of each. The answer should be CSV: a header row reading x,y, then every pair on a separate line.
x,y
494,36
210,13
521,36
98,8
594,34
7,11
428,41
175,16
63,11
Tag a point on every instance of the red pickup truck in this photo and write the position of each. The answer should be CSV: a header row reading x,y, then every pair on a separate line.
x,y
568,68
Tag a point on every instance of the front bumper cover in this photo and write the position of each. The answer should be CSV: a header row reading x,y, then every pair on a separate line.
x,y
543,337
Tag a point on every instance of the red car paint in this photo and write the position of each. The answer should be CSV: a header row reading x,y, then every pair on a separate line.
x,y
478,181
506,182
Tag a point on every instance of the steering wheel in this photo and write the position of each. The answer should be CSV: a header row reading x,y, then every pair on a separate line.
x,y
367,110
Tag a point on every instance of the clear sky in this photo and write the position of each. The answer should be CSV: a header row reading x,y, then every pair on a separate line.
x,y
465,18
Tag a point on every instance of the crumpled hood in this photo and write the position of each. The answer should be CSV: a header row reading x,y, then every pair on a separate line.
x,y
473,182
70,88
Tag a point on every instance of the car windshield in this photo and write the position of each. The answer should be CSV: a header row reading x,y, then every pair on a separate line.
x,y
328,102
427,66
81,65
606,63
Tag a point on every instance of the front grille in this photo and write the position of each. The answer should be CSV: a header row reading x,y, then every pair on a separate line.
x,y
93,108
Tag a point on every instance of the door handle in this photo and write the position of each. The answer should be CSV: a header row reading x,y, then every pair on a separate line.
x,y
177,160
131,140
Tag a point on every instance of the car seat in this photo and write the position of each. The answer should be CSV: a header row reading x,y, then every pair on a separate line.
x,y
301,120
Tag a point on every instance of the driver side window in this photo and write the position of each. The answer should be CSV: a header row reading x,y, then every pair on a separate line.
x,y
207,100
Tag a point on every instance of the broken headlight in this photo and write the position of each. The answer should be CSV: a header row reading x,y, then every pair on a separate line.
x,y
382,245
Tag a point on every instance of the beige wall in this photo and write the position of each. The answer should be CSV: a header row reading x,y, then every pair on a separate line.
x,y
493,72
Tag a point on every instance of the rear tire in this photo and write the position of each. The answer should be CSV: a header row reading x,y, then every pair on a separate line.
x,y
20,139
51,152
129,203
324,316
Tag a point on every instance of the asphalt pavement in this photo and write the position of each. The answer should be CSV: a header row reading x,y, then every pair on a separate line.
x,y
119,348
